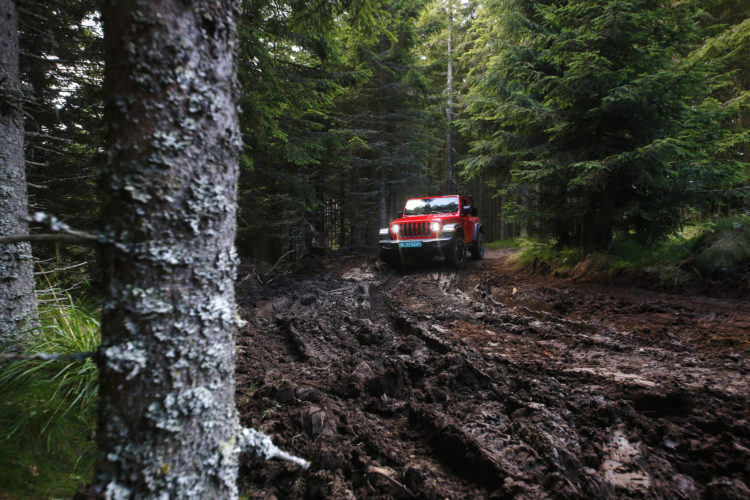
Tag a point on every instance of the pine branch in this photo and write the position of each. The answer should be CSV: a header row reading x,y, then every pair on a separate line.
x,y
61,269
44,356
45,136
61,232
69,236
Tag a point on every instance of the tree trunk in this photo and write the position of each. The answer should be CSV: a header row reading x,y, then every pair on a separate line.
x,y
167,419
449,185
17,299
343,241
382,192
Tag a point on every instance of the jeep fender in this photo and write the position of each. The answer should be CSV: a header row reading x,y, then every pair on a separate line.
x,y
477,230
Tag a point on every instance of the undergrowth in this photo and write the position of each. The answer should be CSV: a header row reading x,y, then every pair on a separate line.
x,y
540,251
506,243
47,415
724,251
716,250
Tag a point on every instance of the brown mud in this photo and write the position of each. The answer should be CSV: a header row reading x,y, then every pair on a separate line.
x,y
491,383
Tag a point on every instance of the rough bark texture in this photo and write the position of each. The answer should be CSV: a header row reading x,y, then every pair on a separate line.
x,y
17,300
167,419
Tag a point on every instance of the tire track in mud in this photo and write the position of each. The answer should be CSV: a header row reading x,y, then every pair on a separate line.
x,y
430,379
492,437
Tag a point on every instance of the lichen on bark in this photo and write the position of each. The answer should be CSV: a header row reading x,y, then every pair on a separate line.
x,y
17,298
167,416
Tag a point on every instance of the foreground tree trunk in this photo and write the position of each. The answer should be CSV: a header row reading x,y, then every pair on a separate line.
x,y
167,420
17,299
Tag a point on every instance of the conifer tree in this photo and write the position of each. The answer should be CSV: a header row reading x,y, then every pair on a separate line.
x,y
61,68
728,46
288,53
443,26
595,108
389,125
293,67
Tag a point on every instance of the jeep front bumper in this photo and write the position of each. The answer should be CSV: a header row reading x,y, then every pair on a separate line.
x,y
424,246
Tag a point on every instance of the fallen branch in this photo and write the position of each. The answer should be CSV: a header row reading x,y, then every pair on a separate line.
x,y
253,440
285,273
255,273
257,276
388,473
250,275
280,259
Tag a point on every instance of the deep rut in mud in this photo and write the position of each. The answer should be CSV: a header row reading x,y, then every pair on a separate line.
x,y
487,384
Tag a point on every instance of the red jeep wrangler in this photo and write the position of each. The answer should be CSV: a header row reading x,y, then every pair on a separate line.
x,y
442,226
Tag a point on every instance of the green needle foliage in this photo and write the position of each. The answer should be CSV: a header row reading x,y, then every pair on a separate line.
x,y
291,71
47,416
601,116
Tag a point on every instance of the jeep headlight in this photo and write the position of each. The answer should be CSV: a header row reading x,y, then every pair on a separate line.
x,y
435,227
395,228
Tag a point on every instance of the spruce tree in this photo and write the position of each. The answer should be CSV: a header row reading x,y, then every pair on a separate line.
x,y
291,71
594,108
389,124
61,68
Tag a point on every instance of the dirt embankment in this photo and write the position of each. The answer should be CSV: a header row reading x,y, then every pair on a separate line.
x,y
488,383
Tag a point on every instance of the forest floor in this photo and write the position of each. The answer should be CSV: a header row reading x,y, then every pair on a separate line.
x,y
490,383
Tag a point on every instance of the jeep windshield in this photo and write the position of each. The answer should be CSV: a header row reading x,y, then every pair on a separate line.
x,y
422,206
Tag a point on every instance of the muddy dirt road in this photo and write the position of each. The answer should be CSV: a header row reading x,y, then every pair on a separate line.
x,y
491,383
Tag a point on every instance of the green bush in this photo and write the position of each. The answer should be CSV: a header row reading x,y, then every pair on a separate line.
x,y
717,249
558,259
47,416
629,254
536,252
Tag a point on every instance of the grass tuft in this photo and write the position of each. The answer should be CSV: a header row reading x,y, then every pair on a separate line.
x,y
47,414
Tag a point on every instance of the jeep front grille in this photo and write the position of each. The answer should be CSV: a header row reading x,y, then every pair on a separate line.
x,y
415,230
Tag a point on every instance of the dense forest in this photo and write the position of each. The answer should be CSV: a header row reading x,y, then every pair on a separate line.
x,y
294,126
571,121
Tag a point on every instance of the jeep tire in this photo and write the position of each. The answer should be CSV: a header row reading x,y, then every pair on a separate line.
x,y
456,253
477,249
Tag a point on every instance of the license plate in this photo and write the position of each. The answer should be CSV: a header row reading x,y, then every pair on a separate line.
x,y
410,244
